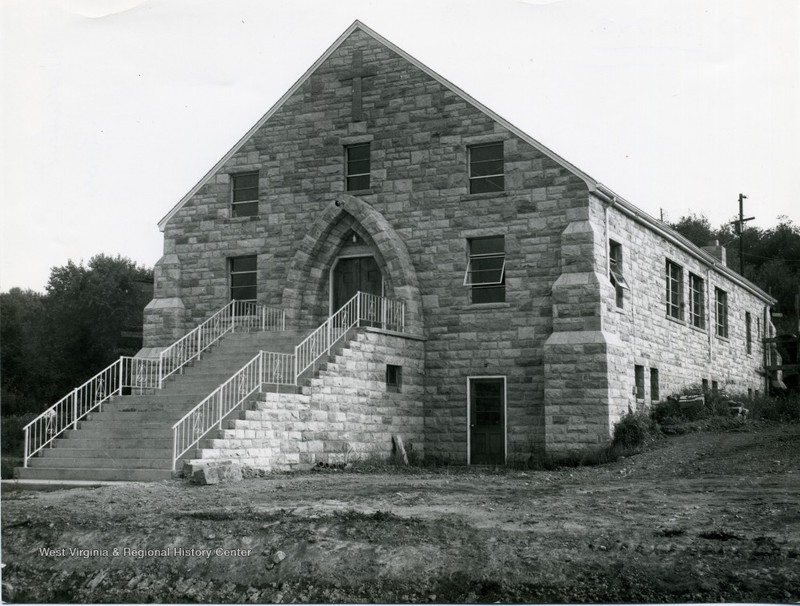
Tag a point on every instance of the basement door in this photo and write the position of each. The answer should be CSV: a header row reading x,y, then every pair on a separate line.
x,y
353,274
487,421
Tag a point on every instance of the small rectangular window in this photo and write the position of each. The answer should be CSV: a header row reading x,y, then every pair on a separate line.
x,y
394,378
748,327
358,166
486,269
639,377
674,277
615,272
654,395
721,299
243,278
697,297
714,389
705,386
245,195
486,168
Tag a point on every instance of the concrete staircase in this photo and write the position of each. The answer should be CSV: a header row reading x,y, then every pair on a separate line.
x,y
264,433
131,439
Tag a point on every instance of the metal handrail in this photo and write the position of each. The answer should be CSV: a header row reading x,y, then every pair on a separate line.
x,y
243,314
265,367
282,369
363,307
127,372
149,373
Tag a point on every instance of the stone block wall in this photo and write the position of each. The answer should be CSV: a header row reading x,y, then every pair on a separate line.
x,y
681,353
345,413
420,132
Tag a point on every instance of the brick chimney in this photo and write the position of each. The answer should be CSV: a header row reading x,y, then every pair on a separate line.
x,y
715,249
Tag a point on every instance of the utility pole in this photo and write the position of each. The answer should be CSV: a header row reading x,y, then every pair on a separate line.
x,y
739,229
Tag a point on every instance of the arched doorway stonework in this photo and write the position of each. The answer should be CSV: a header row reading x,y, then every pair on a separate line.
x,y
306,294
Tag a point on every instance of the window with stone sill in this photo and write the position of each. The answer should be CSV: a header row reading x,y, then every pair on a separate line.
x,y
615,273
674,276
486,168
721,304
244,196
638,372
243,278
357,159
748,327
486,269
697,298
654,387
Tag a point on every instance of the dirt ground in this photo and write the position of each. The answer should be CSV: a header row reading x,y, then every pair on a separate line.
x,y
701,517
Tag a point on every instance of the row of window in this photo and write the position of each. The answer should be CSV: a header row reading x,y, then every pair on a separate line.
x,y
697,297
486,175
675,300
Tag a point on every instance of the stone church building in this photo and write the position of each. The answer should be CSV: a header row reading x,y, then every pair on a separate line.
x,y
540,307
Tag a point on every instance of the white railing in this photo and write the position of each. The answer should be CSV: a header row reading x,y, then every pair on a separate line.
x,y
283,369
145,373
362,309
125,373
265,367
236,314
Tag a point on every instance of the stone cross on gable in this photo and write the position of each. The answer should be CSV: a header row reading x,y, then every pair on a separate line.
x,y
357,76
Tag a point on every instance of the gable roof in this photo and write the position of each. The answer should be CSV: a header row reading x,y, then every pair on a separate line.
x,y
599,190
357,25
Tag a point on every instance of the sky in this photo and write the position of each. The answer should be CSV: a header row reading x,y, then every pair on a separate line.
x,y
112,110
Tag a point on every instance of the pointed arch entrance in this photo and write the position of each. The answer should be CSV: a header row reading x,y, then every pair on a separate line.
x,y
308,294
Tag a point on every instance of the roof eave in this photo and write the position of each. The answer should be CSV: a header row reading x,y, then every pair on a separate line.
x,y
668,233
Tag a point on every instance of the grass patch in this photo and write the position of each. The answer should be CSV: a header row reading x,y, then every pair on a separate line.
x,y
674,417
781,409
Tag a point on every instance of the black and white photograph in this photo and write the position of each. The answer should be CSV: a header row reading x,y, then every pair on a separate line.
x,y
444,301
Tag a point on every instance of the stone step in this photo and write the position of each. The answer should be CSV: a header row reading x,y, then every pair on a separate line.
x,y
162,398
137,416
234,453
267,416
130,439
266,439
121,452
269,398
123,431
105,443
109,461
142,428
93,474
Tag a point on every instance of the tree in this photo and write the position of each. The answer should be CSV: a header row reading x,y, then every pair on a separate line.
x,y
23,365
56,341
87,310
771,259
696,228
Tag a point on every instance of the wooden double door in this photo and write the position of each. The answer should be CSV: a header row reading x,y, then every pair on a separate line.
x,y
354,274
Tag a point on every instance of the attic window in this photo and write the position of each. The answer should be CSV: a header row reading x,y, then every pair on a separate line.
x,y
486,168
358,166
245,195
